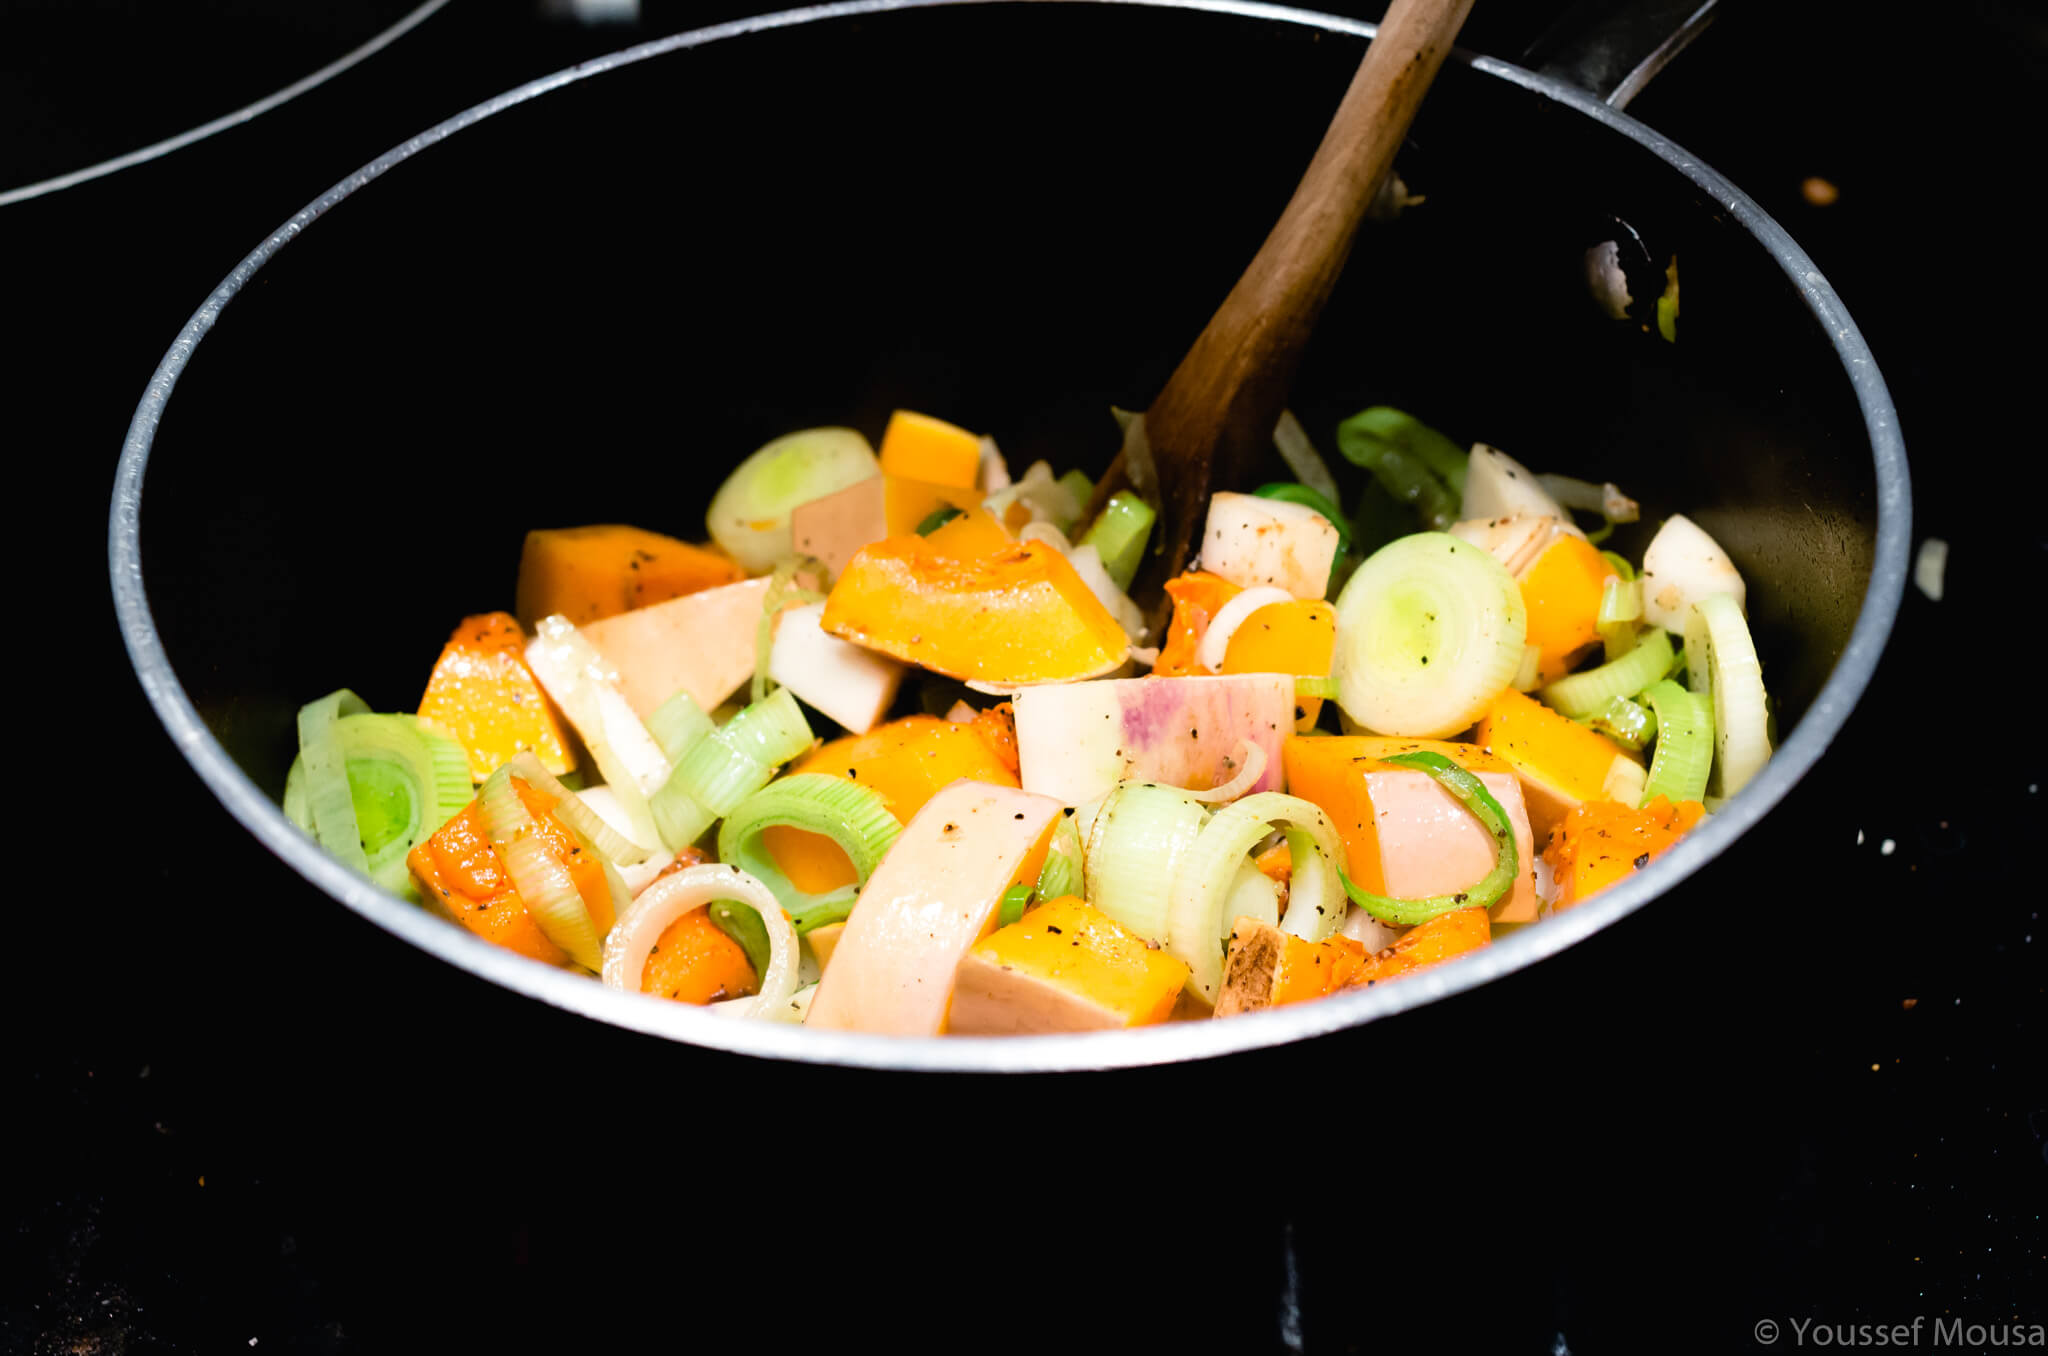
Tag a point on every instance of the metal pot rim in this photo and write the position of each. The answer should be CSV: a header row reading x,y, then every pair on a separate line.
x,y
1042,1054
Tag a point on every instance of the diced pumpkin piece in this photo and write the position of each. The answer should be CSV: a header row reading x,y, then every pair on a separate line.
x,y
1021,615
1559,761
1404,834
1267,967
1600,842
928,902
585,573
907,761
483,694
969,535
1440,939
1077,740
833,527
460,873
695,961
1295,638
1197,597
920,447
702,644
1063,966
1561,593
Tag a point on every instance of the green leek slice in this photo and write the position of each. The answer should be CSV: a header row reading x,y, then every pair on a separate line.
x,y
1685,742
1582,695
370,788
854,817
749,515
1383,429
1626,723
719,771
1430,629
1011,906
1061,874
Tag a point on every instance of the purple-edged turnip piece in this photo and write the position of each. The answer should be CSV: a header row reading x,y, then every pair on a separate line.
x,y
1077,740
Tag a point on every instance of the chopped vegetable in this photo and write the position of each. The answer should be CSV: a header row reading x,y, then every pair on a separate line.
x,y
1600,843
1558,761
1077,740
750,514
702,645
932,898
1253,541
1119,533
1404,834
1681,566
587,573
482,693
1562,592
1720,659
919,447
1430,630
370,788
1063,966
1021,615
1412,462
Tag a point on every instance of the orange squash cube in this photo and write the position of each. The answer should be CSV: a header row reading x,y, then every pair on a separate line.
x,y
483,694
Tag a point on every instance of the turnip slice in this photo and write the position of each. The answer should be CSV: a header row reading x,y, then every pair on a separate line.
x,y
1075,741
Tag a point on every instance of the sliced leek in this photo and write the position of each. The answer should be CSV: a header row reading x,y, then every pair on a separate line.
x,y
1582,695
1118,535
718,772
1685,742
632,938
1136,843
545,886
1626,723
370,788
1721,658
1208,880
854,817
1429,631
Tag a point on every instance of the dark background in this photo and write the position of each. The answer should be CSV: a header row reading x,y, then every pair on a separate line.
x,y
1833,1110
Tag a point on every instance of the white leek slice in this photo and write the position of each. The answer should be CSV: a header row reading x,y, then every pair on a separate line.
x,y
1252,895
1198,922
1430,629
545,886
633,937
1681,566
1720,658
1233,614
1135,844
585,685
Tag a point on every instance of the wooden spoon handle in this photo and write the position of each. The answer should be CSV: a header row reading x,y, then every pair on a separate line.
x,y
1214,420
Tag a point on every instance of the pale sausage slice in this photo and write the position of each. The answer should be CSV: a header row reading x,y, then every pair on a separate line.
x,y
928,902
1430,844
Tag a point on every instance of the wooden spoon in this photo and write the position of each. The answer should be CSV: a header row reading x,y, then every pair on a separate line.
x,y
1213,422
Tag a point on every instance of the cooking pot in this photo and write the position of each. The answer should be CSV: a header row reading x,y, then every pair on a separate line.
x,y
584,300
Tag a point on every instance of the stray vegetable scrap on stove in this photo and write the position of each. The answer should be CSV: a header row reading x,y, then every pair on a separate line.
x,y
894,750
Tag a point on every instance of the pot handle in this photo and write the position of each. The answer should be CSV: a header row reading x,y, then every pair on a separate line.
x,y
1611,48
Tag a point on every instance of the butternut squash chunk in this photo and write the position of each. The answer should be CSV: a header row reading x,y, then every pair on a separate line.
x,y
920,447
1561,593
1063,966
484,695
585,573
1021,615
1559,762
1601,842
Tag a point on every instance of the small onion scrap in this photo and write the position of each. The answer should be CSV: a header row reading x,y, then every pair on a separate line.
x,y
632,938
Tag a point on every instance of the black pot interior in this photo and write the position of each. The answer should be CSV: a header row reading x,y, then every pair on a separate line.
x,y
586,308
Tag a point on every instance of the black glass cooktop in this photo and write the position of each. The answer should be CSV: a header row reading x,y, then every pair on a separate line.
x,y
229,1135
